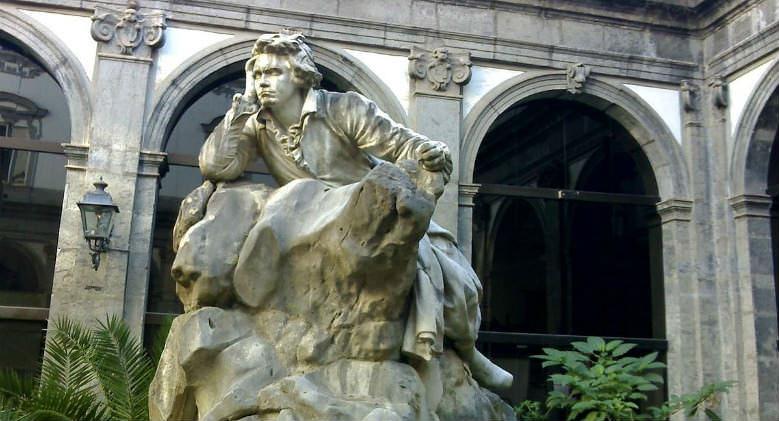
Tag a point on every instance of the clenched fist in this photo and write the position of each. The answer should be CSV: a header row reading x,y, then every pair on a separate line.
x,y
435,156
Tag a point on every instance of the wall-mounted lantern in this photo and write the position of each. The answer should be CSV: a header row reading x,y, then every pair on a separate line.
x,y
97,219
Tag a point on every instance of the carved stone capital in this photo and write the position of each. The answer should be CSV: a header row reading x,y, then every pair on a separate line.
x,y
435,70
467,194
675,210
576,76
152,164
719,88
690,93
76,156
751,205
127,30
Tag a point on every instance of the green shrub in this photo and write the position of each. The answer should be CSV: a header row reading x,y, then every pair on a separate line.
x,y
599,382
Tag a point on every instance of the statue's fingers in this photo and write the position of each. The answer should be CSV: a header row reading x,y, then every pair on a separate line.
x,y
434,164
432,153
425,147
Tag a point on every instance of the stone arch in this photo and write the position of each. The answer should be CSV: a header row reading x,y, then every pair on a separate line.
x,y
212,63
667,164
60,63
619,103
754,245
753,138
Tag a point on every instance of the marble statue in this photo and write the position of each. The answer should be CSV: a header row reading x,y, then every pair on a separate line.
x,y
334,296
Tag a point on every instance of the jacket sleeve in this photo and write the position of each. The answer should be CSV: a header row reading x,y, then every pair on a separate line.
x,y
360,120
231,147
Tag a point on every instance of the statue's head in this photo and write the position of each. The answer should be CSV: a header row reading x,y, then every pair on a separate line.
x,y
287,53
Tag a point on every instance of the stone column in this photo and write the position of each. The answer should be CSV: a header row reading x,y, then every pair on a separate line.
x,y
141,238
122,77
757,333
680,297
465,218
437,78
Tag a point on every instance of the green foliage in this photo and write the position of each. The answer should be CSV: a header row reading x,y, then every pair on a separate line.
x,y
597,381
530,411
705,400
97,375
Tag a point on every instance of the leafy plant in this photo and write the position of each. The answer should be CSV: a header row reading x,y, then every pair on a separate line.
x,y
705,400
598,381
98,375
530,411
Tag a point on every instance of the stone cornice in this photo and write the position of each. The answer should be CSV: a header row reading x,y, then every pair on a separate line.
x,y
467,194
751,205
675,210
749,50
150,162
76,156
399,36
669,16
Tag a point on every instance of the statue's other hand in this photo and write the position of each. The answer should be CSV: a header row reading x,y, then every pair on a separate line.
x,y
435,156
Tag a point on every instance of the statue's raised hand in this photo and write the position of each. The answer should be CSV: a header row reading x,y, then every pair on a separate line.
x,y
246,103
435,156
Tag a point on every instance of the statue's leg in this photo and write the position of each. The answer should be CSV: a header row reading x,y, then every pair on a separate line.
x,y
462,316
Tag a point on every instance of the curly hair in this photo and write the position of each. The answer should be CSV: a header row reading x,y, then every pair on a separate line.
x,y
293,45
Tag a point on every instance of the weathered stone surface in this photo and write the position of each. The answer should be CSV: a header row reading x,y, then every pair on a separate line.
x,y
208,249
319,298
463,399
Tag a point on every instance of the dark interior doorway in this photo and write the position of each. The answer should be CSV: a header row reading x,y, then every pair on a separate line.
x,y
566,235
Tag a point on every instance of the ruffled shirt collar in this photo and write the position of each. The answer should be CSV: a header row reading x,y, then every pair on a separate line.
x,y
290,142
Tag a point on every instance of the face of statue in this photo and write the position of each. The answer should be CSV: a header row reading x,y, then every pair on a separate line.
x,y
273,80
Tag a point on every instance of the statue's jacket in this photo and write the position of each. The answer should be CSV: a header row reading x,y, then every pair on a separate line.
x,y
339,138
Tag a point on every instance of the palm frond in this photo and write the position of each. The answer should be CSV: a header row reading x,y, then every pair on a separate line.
x,y
14,386
123,369
53,403
67,362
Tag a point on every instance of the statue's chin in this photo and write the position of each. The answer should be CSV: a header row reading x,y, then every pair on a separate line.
x,y
268,102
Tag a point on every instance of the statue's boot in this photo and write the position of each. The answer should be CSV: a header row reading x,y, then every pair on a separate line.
x,y
484,371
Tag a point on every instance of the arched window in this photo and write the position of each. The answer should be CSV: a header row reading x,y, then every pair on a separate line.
x,y
34,122
204,111
566,237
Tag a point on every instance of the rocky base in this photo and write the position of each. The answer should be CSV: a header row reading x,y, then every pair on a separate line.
x,y
296,305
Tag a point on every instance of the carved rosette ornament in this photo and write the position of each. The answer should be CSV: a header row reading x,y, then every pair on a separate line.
x,y
440,67
689,93
719,91
576,76
130,28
